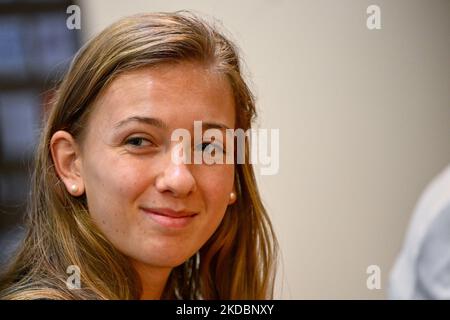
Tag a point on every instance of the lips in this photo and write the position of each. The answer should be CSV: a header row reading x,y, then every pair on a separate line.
x,y
170,218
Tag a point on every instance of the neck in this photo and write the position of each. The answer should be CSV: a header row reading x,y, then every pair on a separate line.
x,y
153,280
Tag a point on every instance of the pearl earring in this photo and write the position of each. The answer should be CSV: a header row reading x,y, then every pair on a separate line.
x,y
232,196
74,188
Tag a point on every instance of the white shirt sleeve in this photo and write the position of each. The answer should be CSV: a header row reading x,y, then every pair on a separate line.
x,y
433,260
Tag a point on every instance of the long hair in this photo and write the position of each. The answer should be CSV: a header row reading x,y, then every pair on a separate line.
x,y
237,262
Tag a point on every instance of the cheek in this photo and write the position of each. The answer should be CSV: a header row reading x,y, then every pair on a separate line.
x,y
217,185
112,185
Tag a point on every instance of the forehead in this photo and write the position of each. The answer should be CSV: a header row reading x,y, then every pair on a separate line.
x,y
177,93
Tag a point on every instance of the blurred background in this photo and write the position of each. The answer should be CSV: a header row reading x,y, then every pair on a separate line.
x,y
364,118
36,48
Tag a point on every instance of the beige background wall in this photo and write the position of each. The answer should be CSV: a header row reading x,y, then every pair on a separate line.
x,y
364,119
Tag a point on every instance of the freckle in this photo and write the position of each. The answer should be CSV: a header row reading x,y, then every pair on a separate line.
x,y
103,222
117,230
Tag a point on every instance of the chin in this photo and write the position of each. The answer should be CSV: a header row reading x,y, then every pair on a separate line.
x,y
165,261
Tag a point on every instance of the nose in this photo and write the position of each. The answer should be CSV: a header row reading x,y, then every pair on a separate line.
x,y
176,179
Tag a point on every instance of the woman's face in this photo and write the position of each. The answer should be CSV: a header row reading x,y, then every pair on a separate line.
x,y
154,210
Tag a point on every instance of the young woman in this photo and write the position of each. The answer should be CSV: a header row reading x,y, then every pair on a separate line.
x,y
108,197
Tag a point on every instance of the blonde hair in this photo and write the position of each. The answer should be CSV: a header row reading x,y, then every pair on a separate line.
x,y
237,262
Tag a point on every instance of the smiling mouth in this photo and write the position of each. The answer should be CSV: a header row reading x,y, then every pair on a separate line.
x,y
169,218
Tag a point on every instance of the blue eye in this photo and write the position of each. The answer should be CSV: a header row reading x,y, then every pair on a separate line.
x,y
205,145
217,146
138,142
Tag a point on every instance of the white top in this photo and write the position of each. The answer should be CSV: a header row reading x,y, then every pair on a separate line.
x,y
422,269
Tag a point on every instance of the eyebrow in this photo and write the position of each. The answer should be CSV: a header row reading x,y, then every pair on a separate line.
x,y
156,122
150,121
214,125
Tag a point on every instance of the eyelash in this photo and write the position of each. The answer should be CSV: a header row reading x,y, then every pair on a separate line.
x,y
204,145
217,146
141,139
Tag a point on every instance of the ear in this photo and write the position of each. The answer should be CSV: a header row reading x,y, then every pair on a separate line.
x,y
66,157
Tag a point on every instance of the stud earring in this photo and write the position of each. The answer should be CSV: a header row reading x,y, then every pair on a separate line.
x,y
232,197
74,188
